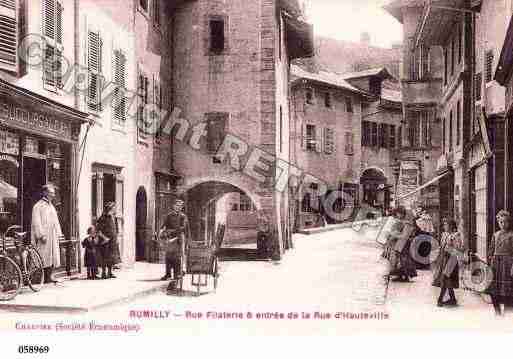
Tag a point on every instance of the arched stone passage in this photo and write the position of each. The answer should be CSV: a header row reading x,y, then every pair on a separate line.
x,y
202,206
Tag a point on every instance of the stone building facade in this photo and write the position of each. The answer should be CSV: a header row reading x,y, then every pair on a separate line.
x,y
460,41
230,82
343,126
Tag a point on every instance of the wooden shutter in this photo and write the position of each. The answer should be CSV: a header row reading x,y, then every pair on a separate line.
x,y
329,142
9,27
58,22
94,65
119,65
303,136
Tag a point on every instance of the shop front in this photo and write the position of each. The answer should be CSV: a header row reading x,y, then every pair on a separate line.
x,y
38,146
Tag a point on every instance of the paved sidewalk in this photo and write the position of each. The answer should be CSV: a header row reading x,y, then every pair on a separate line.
x,y
80,295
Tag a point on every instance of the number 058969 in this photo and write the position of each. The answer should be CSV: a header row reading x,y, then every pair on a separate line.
x,y
33,349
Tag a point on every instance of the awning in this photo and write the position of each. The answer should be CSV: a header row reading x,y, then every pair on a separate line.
x,y
427,184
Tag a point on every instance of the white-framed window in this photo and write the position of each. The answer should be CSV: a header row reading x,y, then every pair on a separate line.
x,y
52,30
95,70
119,63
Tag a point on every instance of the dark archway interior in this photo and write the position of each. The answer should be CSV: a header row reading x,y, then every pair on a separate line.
x,y
375,190
201,211
141,223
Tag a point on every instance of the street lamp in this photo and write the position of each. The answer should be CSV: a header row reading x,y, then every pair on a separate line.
x,y
396,169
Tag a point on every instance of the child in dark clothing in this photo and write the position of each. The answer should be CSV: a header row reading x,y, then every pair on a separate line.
x,y
90,260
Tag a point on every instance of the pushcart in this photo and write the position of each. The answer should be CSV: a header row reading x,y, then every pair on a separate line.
x,y
202,263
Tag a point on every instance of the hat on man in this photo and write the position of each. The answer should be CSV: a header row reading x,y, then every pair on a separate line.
x,y
109,205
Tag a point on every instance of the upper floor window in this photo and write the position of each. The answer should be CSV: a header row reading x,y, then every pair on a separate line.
x,y
9,41
310,138
94,67
453,56
349,148
329,140
119,70
217,35
216,130
375,86
451,118
143,91
327,99
52,28
349,105
309,95
446,62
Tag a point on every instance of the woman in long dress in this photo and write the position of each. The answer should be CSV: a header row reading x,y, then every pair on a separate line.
x,y
501,261
446,274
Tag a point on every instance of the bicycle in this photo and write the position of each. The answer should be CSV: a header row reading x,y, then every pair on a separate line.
x,y
20,264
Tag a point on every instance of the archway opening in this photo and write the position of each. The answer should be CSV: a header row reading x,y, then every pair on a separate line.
x,y
375,190
142,230
223,215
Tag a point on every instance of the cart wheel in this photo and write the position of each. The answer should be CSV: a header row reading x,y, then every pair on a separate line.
x,y
10,278
34,270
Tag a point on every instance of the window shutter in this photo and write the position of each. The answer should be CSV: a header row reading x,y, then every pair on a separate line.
x,y
329,142
49,18
94,65
303,136
119,60
318,139
58,23
489,66
9,22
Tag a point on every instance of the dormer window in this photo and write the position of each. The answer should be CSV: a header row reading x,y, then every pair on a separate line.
x,y
375,87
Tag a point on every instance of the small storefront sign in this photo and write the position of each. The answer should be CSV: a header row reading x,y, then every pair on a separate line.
x,y
12,114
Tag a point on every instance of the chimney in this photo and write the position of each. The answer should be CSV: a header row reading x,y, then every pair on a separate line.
x,y
365,38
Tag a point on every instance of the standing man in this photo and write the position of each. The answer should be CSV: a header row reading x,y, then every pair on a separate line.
x,y
46,232
176,232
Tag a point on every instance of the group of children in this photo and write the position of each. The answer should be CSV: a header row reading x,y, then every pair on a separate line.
x,y
95,247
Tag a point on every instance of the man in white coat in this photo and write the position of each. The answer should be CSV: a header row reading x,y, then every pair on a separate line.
x,y
46,232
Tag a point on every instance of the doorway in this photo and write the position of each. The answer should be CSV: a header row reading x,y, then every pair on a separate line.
x,y
141,217
34,177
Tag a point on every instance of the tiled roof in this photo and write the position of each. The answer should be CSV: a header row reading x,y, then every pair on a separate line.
x,y
378,71
325,77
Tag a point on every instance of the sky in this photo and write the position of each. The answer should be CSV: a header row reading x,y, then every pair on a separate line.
x,y
347,19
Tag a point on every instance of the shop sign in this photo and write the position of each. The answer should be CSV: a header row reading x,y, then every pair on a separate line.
x,y
33,121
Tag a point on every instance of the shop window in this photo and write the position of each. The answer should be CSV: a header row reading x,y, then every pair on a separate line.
x,y
119,67
9,179
217,36
94,66
53,49
216,131
307,203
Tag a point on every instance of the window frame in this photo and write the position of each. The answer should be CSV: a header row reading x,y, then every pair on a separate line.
x,y
56,43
